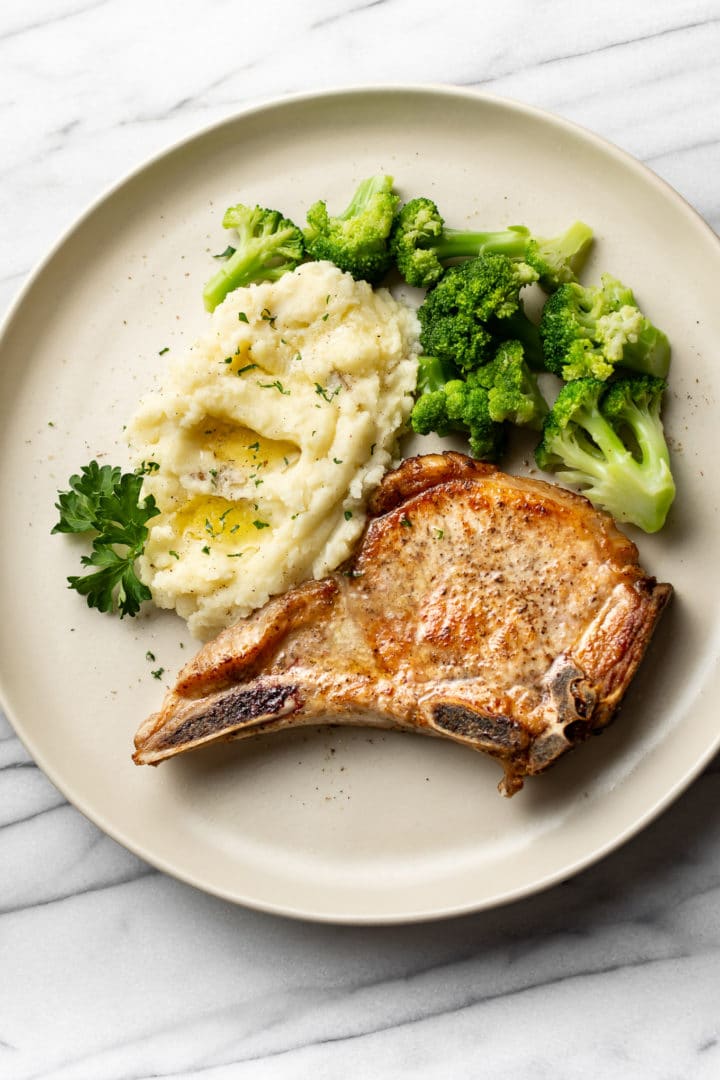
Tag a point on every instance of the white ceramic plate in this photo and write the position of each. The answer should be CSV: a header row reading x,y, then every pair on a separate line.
x,y
341,825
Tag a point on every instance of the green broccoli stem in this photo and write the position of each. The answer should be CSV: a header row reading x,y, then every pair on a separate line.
x,y
649,355
648,432
364,193
517,327
433,373
242,268
459,243
635,491
603,434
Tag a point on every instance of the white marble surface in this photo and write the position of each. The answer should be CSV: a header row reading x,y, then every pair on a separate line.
x,y
109,969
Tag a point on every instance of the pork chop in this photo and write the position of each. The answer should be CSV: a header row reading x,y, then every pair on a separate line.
x,y
499,611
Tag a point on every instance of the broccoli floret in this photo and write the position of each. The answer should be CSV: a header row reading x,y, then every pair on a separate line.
x,y
513,392
268,246
588,331
609,442
455,337
474,306
461,407
502,390
358,239
430,414
420,244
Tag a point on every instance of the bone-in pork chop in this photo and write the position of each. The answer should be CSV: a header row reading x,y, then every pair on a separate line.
x,y
501,612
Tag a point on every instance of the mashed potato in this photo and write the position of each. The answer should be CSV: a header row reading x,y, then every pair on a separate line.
x,y
269,436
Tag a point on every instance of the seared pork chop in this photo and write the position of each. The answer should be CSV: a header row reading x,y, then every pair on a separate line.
x,y
501,612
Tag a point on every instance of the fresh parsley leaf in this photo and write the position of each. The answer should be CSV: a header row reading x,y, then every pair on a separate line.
x,y
114,582
103,500
78,507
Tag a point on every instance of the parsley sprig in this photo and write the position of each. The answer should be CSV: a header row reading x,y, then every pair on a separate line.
x,y
104,500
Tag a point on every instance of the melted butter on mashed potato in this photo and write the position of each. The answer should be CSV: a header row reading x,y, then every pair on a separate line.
x,y
269,436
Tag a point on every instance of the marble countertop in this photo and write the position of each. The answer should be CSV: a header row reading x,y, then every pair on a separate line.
x,y
110,969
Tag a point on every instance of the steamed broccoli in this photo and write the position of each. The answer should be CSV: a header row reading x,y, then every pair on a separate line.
x,y
463,407
268,246
474,306
358,239
609,441
513,392
502,390
587,331
420,244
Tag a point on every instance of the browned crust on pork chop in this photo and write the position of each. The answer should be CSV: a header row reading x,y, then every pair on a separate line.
x,y
499,611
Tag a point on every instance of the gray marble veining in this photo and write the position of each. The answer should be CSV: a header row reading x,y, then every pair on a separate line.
x,y
109,969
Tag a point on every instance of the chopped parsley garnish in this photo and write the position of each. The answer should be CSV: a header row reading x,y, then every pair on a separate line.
x,y
106,501
174,554
261,524
158,673
406,522
254,446
148,467
439,533
150,656
327,395
226,253
325,316
163,351
275,385
205,549
234,554
242,317
337,461
267,317
248,367
348,515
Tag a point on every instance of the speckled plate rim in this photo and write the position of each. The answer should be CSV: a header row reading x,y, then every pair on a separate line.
x,y
167,865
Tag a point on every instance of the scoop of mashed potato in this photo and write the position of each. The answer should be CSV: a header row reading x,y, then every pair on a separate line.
x,y
267,439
